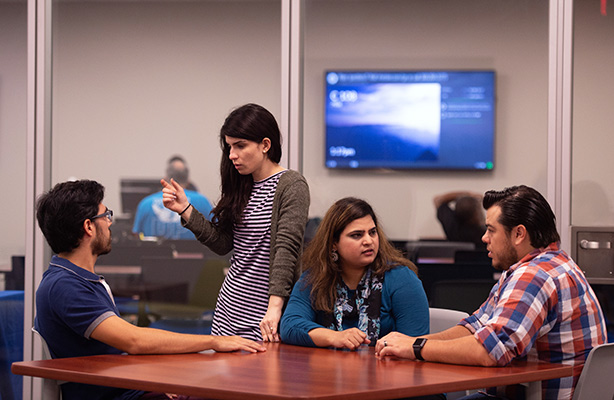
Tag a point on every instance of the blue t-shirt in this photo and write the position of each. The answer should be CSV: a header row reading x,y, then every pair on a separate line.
x,y
153,219
404,309
70,303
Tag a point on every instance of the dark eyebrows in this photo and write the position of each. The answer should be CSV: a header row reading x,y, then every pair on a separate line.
x,y
362,231
238,141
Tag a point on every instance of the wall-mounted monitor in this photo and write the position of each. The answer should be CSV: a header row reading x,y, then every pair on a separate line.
x,y
439,120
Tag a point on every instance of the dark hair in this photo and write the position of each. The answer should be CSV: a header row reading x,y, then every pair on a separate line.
x,y
254,123
62,210
176,157
180,174
467,210
522,205
323,273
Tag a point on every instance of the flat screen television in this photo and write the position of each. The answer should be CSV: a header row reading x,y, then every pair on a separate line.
x,y
437,120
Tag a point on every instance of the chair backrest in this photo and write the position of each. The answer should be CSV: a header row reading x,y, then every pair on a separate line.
x,y
172,273
442,318
476,257
51,387
596,381
430,273
436,249
209,283
460,294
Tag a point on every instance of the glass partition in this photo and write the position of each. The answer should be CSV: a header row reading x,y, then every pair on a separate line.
x,y
13,125
592,186
593,120
136,83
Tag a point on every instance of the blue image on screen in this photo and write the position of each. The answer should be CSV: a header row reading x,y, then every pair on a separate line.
x,y
410,120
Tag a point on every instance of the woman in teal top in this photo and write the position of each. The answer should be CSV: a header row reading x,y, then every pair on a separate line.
x,y
356,286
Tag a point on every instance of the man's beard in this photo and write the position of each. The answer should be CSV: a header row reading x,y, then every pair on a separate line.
x,y
101,245
508,258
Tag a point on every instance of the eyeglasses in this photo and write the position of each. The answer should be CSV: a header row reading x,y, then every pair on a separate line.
x,y
108,214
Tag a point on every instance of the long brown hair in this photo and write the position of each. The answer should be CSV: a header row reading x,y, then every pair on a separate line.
x,y
251,122
323,274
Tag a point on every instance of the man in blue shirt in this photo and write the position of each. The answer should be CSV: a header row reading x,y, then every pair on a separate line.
x,y
153,219
76,312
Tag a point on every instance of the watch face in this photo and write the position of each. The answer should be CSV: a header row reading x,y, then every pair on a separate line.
x,y
419,342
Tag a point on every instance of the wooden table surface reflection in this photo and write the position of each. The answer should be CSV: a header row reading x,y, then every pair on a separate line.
x,y
284,372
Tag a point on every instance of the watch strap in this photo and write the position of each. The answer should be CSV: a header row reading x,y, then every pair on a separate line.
x,y
417,346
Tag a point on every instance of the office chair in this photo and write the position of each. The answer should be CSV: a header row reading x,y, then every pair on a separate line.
x,y
440,320
197,315
460,294
476,257
596,381
443,318
51,387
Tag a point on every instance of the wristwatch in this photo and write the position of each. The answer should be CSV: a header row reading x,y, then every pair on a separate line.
x,y
418,345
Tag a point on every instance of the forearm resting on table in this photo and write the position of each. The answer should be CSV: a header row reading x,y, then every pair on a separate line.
x,y
323,337
131,339
466,350
455,332
351,338
124,336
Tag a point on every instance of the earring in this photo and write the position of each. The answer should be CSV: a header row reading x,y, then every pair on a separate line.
x,y
334,255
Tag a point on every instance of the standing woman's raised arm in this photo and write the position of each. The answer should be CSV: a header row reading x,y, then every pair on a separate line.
x,y
174,198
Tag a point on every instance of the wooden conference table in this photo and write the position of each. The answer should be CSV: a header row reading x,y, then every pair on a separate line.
x,y
286,372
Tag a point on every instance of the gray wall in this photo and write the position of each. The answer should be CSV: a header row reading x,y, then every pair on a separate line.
x,y
593,120
136,82
509,37
13,58
167,74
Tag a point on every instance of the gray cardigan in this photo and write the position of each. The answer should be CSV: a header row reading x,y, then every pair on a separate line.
x,y
288,220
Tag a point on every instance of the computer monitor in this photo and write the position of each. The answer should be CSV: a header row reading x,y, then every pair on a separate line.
x,y
133,190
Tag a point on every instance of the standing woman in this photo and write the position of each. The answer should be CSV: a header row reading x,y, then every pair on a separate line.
x,y
261,214
356,286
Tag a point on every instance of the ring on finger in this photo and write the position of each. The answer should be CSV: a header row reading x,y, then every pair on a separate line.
x,y
385,343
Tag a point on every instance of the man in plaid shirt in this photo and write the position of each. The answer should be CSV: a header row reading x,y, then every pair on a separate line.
x,y
542,307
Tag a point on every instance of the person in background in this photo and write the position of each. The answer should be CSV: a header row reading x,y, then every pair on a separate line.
x,y
153,219
542,307
356,286
179,163
464,222
261,214
76,312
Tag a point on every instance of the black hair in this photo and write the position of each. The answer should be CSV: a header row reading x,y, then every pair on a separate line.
x,y
180,174
467,210
63,209
176,157
251,122
523,205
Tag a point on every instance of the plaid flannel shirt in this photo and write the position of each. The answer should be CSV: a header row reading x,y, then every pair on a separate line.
x,y
542,308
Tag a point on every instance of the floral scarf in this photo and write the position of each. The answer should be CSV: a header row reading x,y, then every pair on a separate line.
x,y
364,304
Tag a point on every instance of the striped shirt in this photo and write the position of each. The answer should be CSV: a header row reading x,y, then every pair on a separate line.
x,y
244,296
542,308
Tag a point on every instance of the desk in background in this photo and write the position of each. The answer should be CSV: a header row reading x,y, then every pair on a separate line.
x,y
287,372
11,343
